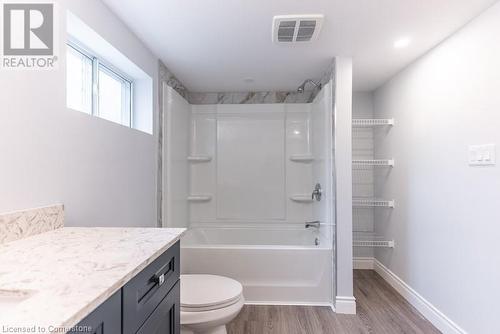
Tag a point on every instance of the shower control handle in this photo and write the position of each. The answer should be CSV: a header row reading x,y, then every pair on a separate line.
x,y
317,192
314,224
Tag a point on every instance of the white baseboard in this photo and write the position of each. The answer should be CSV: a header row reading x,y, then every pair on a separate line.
x,y
429,311
363,263
287,303
345,305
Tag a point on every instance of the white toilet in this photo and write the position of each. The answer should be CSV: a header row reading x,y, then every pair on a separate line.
x,y
208,303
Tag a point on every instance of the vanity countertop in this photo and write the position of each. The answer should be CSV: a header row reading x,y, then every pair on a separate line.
x,y
51,281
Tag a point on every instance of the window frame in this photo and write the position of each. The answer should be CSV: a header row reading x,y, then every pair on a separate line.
x,y
90,92
98,64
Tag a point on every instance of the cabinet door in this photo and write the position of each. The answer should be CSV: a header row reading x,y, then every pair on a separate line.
x,y
106,319
143,294
166,318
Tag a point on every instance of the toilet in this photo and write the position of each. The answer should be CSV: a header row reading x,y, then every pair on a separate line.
x,y
208,303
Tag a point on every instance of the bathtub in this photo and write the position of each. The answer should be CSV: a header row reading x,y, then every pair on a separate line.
x,y
275,265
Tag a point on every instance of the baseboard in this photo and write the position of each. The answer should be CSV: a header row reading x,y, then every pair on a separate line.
x,y
429,311
345,305
247,302
363,263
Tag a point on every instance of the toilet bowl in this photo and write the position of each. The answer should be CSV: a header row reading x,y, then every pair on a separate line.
x,y
208,303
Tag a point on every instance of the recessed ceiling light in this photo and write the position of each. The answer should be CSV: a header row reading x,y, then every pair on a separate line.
x,y
402,43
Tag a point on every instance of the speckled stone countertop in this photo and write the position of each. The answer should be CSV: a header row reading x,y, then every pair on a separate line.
x,y
63,275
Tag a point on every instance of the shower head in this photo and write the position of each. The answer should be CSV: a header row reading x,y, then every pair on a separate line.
x,y
303,86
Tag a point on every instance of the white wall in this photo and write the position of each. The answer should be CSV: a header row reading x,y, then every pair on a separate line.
x,y
446,220
104,173
343,183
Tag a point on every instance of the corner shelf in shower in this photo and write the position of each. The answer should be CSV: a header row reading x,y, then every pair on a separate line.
x,y
199,198
301,158
302,198
373,163
368,122
372,203
199,158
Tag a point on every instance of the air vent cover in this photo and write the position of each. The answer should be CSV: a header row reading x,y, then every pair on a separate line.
x,y
296,28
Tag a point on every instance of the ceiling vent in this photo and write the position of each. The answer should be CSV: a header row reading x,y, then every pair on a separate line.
x,y
296,28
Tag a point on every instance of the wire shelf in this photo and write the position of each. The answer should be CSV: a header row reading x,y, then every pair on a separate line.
x,y
370,239
367,122
373,163
199,158
301,158
372,203
374,243
199,198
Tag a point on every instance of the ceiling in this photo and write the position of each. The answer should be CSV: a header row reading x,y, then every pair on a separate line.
x,y
226,45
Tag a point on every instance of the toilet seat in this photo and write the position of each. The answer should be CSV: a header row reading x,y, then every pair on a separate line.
x,y
202,293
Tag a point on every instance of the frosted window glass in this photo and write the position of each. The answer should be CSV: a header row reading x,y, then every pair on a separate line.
x,y
113,98
78,81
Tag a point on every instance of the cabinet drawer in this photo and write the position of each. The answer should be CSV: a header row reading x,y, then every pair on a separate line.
x,y
106,319
145,292
166,318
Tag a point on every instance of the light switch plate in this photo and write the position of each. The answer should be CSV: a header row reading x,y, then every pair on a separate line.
x,y
482,155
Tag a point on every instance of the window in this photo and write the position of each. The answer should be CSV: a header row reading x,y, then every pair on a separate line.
x,y
79,81
95,88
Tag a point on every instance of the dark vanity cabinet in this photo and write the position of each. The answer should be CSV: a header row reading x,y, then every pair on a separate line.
x,y
107,318
166,317
149,293
148,304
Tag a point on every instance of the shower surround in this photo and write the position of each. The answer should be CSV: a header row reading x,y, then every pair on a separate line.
x,y
240,177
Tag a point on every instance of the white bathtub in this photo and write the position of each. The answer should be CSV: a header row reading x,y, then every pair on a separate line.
x,y
275,265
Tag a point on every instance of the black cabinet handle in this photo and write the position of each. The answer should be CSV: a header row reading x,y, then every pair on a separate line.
x,y
159,278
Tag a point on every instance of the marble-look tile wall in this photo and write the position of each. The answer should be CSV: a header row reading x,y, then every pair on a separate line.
x,y
22,224
251,97
243,97
259,97
170,79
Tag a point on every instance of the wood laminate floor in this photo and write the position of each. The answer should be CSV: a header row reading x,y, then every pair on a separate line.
x,y
380,310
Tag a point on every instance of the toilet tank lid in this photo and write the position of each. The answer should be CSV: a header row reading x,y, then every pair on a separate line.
x,y
208,290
